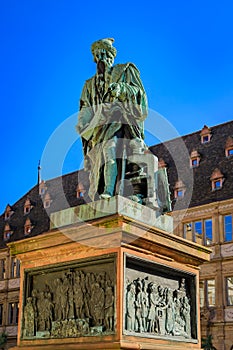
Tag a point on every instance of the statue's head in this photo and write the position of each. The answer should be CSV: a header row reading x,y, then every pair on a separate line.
x,y
104,51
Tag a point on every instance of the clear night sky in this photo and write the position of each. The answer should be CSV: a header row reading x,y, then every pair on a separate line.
x,y
183,50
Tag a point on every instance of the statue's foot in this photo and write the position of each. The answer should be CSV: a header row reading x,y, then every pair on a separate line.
x,y
105,195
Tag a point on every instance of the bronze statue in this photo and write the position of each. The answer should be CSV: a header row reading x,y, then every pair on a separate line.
x,y
113,106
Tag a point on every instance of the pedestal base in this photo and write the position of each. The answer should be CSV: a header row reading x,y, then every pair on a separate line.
x,y
112,282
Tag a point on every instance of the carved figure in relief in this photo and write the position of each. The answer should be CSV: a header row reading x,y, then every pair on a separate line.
x,y
185,312
97,304
141,307
78,297
131,307
29,319
153,321
68,286
157,309
109,307
170,312
34,303
57,299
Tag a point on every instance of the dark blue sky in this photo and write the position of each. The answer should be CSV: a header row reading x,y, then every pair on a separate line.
x,y
182,48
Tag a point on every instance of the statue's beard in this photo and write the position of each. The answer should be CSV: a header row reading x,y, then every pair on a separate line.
x,y
101,66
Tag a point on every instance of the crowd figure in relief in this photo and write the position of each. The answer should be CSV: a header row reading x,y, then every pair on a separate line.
x,y
156,309
76,303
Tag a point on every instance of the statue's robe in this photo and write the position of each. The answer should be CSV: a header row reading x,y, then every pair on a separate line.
x,y
97,121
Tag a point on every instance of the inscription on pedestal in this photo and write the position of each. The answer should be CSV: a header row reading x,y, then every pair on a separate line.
x,y
159,301
70,301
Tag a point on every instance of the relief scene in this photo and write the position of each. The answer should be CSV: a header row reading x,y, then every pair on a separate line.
x,y
72,303
158,306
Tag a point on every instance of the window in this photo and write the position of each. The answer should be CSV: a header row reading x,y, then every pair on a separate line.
x,y
15,268
216,179
208,232
13,313
227,228
199,231
202,293
211,292
205,134
179,189
194,162
205,138
229,146
80,190
207,293
1,314
229,289
8,212
217,184
2,269
27,206
180,193
28,227
7,232
47,200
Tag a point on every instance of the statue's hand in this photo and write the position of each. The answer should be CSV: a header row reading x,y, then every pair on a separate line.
x,y
115,89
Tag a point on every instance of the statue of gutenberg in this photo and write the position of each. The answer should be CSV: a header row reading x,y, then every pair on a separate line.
x,y
113,106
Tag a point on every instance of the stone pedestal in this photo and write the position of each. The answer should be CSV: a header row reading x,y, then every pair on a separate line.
x,y
109,276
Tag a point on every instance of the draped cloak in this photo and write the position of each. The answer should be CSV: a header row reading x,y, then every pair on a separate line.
x,y
97,120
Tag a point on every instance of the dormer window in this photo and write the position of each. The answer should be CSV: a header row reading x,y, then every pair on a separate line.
x,y
179,189
7,232
194,159
42,188
205,134
162,164
217,179
229,147
8,212
80,190
28,227
27,206
47,200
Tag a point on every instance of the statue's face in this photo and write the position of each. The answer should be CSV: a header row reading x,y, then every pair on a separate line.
x,y
102,55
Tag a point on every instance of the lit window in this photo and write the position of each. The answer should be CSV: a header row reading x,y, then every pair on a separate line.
x,y
13,312
229,283
230,152
211,292
227,228
15,268
2,269
217,184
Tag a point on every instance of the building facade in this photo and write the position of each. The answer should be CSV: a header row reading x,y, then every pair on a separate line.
x,y
200,172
